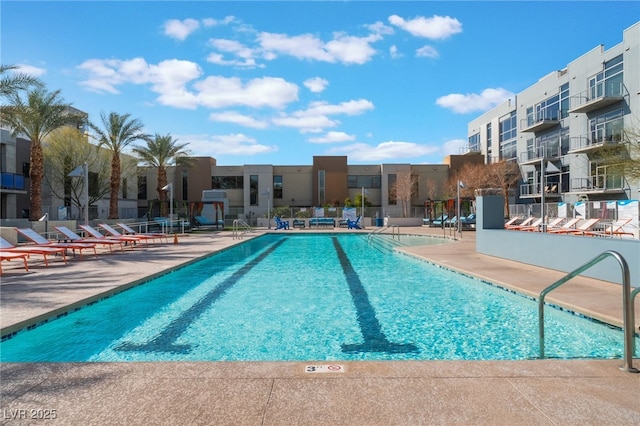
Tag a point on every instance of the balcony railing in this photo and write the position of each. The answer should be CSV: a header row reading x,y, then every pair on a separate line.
x,y
12,181
548,151
598,183
594,141
542,120
597,97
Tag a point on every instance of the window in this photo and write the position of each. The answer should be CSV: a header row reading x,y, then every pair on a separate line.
x,y
253,190
489,139
391,180
321,187
609,81
277,187
142,187
185,185
227,182
508,133
124,188
363,181
474,143
607,127
93,185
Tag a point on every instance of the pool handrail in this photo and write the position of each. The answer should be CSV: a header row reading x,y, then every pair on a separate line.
x,y
628,319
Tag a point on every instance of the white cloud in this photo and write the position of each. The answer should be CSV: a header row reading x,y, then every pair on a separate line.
x,y
343,48
472,102
231,144
453,147
380,28
233,47
221,92
316,84
180,30
237,118
427,52
393,52
434,28
29,70
384,151
316,118
333,137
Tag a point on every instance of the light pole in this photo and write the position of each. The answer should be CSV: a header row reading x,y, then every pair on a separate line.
x,y
458,221
83,171
268,194
169,187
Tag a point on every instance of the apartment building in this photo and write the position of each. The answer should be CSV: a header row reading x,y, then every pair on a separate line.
x,y
566,130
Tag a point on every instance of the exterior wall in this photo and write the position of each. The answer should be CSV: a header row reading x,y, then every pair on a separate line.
x,y
297,186
551,251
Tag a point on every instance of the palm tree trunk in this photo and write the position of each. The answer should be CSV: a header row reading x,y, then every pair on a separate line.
x,y
36,173
162,195
115,186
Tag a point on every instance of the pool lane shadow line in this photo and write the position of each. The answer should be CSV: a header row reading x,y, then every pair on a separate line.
x,y
165,341
374,339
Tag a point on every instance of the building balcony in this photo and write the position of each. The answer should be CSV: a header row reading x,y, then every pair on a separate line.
x,y
532,190
538,122
583,144
548,152
597,97
598,184
12,183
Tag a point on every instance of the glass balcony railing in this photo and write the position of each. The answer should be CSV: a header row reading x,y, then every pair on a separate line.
x,y
12,181
598,96
607,182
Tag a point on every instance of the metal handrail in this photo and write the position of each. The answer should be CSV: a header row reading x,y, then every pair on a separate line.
x,y
237,223
627,306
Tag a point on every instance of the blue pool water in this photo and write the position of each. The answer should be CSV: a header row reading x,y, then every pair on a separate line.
x,y
311,297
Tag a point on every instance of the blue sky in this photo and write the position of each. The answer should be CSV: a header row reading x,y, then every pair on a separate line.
x,y
279,82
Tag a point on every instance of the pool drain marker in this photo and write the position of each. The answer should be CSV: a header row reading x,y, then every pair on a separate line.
x,y
374,338
165,341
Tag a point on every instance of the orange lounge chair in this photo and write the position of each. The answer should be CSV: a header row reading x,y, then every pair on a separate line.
x,y
96,234
75,238
531,226
41,241
511,222
586,225
132,232
115,234
553,224
8,255
614,229
525,222
6,246
568,226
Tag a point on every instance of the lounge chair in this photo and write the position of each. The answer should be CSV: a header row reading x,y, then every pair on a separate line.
x,y
528,226
8,255
582,228
440,220
281,224
41,241
205,221
614,229
152,235
298,223
526,222
468,221
570,224
538,226
96,234
113,233
75,238
511,222
353,224
6,246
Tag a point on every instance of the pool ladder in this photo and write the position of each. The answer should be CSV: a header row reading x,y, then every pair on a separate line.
x,y
239,224
628,317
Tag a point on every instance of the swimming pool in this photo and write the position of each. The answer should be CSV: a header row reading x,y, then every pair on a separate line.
x,y
311,297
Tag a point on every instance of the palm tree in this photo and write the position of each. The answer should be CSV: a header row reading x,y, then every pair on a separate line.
x,y
42,113
11,84
118,132
161,152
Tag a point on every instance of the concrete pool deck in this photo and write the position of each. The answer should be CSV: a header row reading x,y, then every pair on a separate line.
x,y
282,393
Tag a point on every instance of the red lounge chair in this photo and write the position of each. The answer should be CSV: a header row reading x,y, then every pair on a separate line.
x,y
132,232
8,255
6,246
612,230
96,234
115,234
41,241
75,238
